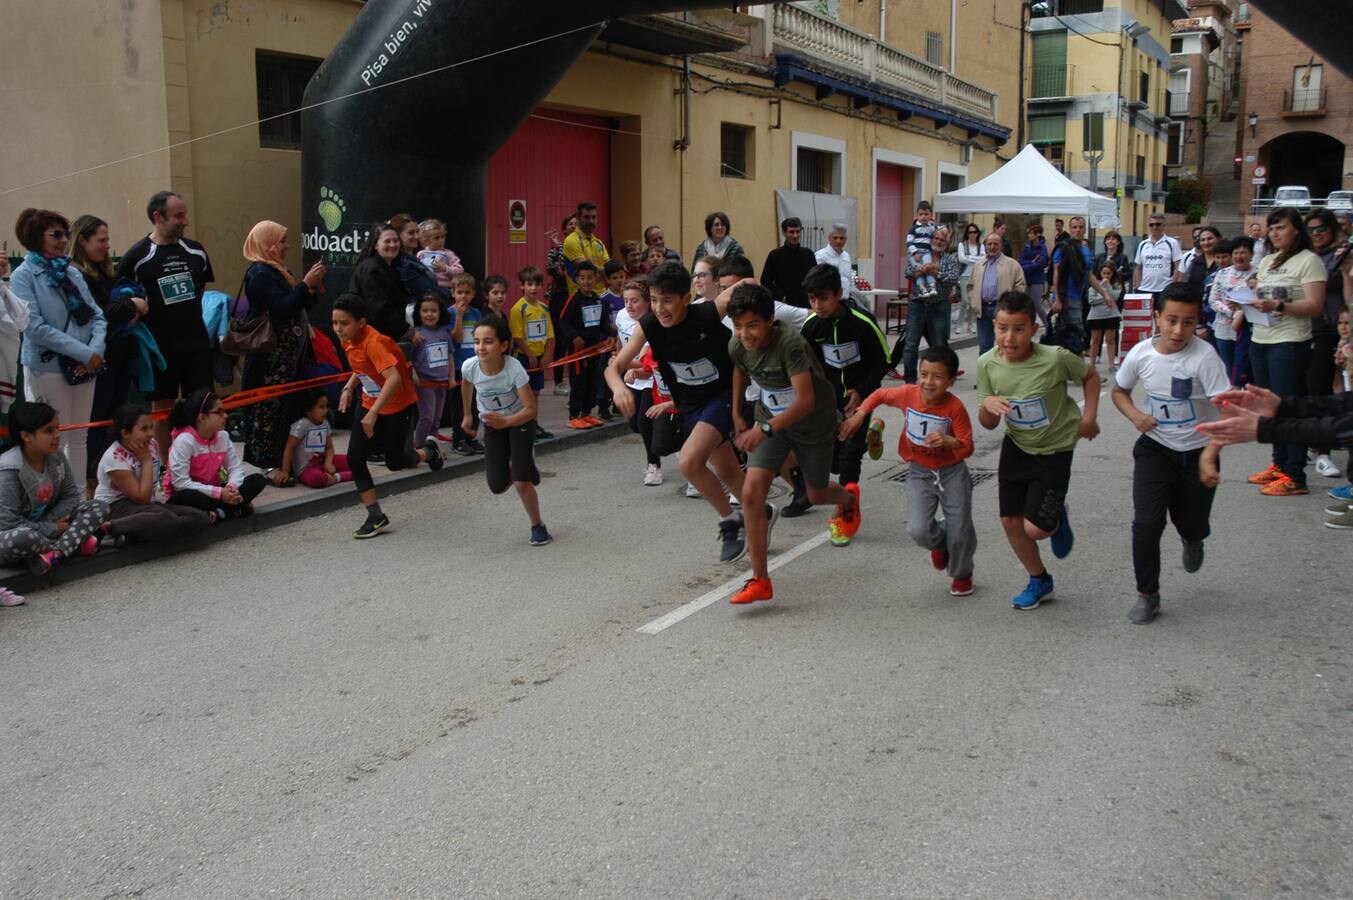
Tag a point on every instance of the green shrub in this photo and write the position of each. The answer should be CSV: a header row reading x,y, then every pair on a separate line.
x,y
1186,193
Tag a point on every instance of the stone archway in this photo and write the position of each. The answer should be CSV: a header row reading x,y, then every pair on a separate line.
x,y
1306,158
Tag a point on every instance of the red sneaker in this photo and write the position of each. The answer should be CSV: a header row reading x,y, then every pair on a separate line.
x,y
961,587
939,559
89,546
593,421
579,423
1283,486
1272,473
754,589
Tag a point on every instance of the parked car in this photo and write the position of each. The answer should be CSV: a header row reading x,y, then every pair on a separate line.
x,y
1339,200
1294,196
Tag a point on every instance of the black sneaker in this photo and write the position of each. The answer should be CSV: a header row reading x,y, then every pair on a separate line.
x,y
376,458
732,540
605,415
1193,556
798,506
462,448
540,536
1145,609
474,445
434,452
373,526
542,434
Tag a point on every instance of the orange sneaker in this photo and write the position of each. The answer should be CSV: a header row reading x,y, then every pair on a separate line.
x,y
842,527
1283,486
754,589
1272,473
593,421
579,423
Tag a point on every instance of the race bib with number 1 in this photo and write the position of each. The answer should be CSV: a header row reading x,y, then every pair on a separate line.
x,y
696,372
921,425
1027,414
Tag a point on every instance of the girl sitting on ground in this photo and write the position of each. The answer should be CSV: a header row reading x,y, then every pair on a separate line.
x,y
310,447
44,517
130,480
204,471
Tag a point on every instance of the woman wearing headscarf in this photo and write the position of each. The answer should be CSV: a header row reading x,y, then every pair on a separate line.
x,y
273,291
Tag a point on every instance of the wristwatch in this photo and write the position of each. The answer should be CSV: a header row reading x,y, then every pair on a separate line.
x,y
766,429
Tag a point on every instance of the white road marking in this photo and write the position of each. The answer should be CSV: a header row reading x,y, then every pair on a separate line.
x,y
681,612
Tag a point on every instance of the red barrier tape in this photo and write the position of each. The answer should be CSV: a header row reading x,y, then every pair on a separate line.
x,y
594,350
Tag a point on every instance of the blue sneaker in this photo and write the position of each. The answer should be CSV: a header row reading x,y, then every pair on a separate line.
x,y
1062,539
1341,493
1038,590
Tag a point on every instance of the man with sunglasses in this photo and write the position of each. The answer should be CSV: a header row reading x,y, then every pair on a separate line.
x,y
1157,256
174,272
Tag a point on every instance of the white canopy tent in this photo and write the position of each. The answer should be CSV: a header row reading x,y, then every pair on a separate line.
x,y
1029,184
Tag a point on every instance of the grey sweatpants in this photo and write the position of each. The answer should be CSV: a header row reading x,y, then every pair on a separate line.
x,y
23,542
949,489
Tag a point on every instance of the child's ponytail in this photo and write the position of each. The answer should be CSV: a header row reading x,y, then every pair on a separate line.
x,y
187,410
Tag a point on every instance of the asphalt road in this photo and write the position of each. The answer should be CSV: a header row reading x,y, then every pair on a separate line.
x,y
445,711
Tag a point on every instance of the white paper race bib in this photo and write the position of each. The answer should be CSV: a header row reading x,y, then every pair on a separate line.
x,y
841,355
370,386
467,334
438,352
700,371
1027,414
778,400
506,402
1172,413
592,315
921,425
316,439
177,288
537,329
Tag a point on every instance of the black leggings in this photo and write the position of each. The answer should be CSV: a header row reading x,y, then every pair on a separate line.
x,y
393,436
510,456
583,384
250,488
848,455
1320,375
668,434
1164,482
456,405
642,425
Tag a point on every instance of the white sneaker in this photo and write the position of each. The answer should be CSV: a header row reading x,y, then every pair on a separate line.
x,y
1326,466
692,492
652,476
733,500
561,389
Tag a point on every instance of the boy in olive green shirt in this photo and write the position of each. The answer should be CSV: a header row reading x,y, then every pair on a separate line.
x,y
1025,384
796,413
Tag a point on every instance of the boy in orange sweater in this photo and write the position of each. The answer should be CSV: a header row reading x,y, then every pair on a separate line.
x,y
936,438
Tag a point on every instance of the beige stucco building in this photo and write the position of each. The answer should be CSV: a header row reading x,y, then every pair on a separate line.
x,y
167,93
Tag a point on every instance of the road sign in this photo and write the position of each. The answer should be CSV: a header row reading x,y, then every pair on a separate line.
x,y
516,221
1258,181
1260,171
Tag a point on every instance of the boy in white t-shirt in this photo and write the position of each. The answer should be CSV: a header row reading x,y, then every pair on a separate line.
x,y
1174,466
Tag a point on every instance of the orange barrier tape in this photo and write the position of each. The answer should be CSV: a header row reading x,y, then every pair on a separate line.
x,y
239,398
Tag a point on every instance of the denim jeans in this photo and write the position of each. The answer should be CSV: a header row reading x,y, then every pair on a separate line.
x,y
929,320
1282,369
986,328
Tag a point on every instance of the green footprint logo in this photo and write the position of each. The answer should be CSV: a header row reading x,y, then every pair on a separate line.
x,y
331,209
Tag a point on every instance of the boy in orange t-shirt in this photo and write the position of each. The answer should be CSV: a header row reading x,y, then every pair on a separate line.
x,y
391,405
936,439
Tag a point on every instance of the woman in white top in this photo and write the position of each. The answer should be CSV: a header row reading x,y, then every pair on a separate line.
x,y
969,252
1291,289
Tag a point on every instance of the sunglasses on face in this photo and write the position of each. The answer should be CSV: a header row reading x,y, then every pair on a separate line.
x,y
57,234
1318,229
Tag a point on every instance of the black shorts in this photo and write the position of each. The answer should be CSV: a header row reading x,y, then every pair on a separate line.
x,y
183,373
1103,324
1033,487
510,455
717,412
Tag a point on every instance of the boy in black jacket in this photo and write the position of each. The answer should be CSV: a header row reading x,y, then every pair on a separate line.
x,y
854,354
582,323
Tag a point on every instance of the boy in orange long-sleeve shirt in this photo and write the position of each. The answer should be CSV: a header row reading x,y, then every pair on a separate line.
x,y
936,439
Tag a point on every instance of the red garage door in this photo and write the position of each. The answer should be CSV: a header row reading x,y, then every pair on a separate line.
x,y
554,161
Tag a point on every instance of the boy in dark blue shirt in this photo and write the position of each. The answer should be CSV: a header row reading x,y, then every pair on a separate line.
x,y
582,323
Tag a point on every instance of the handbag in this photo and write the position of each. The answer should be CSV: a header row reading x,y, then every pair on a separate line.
x,y
69,364
1066,334
248,336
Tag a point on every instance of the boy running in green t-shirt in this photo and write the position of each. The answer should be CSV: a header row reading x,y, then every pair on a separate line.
x,y
1025,384
796,412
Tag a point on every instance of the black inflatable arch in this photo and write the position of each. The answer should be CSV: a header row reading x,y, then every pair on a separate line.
x,y
424,144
